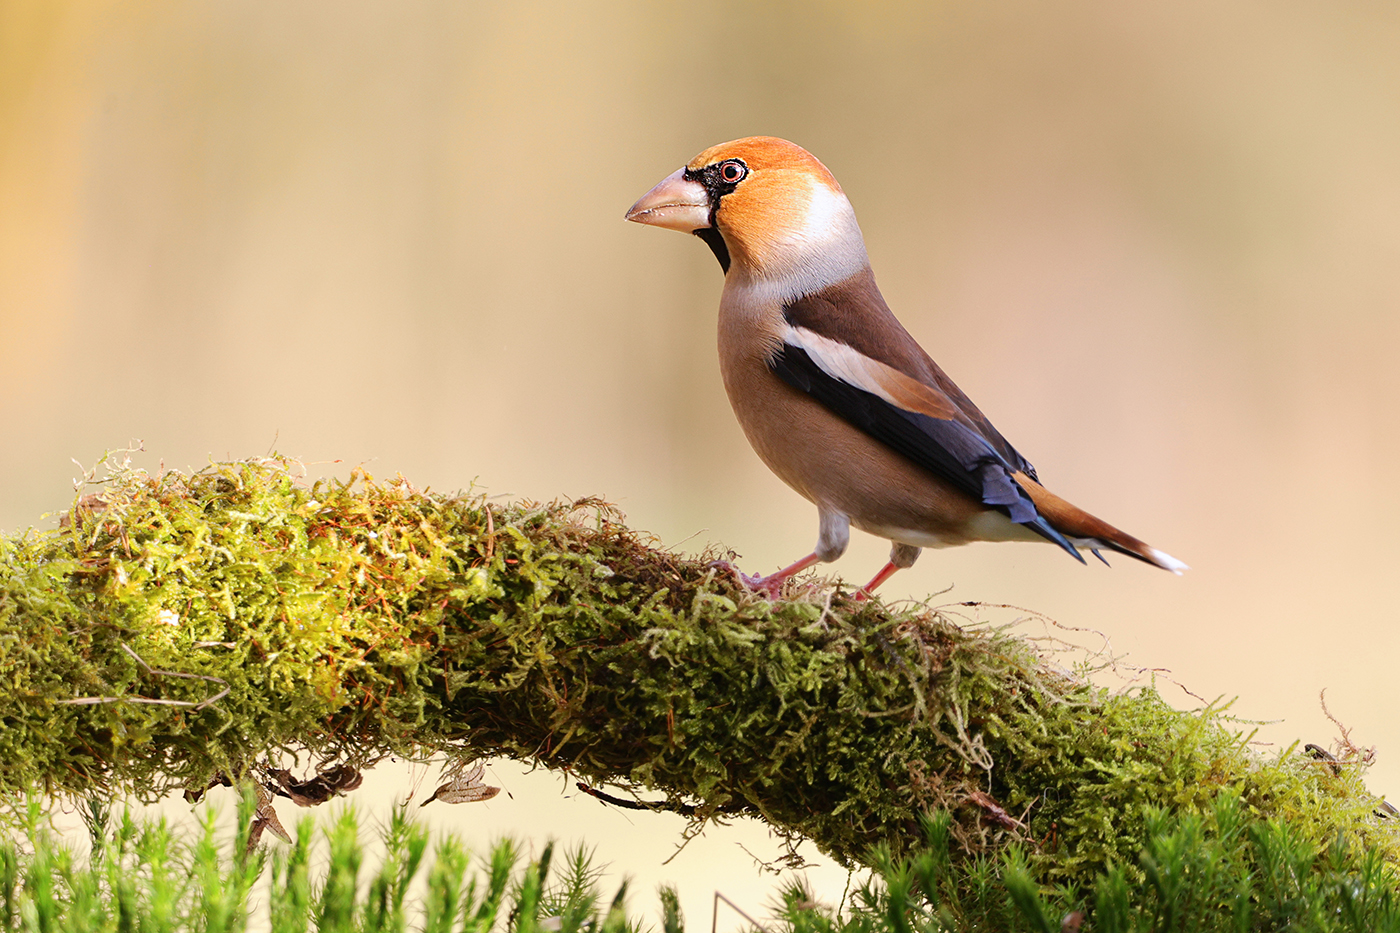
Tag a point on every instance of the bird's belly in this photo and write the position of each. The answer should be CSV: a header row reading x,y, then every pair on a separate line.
x,y
988,525
837,466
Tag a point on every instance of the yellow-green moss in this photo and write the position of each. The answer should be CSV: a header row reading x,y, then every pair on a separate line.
x,y
354,619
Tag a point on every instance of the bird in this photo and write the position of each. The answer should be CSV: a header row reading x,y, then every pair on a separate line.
x,y
834,395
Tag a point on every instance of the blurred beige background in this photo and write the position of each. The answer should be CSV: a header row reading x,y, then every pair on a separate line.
x,y
1158,243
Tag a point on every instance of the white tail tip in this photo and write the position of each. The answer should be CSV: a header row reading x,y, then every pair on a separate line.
x,y
1167,562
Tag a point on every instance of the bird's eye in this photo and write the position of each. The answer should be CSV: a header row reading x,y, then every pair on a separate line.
x,y
732,171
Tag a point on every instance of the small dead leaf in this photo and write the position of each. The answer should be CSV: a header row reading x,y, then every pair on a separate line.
x,y
265,818
88,505
1322,754
310,793
196,794
254,836
994,811
465,788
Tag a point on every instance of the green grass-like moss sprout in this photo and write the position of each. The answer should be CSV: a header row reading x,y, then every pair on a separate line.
x,y
1196,874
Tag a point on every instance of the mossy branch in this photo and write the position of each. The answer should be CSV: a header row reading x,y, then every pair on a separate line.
x,y
175,627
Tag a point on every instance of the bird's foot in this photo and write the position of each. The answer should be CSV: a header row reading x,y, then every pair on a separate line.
x,y
770,586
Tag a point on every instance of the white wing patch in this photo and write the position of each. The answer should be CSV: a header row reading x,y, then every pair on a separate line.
x,y
841,361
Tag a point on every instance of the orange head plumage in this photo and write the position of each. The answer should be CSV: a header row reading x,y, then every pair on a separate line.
x,y
765,206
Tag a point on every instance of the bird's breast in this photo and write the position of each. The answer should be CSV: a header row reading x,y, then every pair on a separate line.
x,y
823,457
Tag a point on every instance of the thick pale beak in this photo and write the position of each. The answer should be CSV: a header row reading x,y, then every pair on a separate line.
x,y
675,203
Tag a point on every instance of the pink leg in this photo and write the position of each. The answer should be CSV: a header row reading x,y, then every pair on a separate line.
x,y
885,573
771,585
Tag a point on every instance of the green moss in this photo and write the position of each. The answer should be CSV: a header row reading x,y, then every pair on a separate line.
x,y
354,619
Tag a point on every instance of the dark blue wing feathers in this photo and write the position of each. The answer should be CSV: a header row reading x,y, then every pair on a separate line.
x,y
950,449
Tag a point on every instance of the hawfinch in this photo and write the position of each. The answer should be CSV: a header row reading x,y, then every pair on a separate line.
x,y
835,396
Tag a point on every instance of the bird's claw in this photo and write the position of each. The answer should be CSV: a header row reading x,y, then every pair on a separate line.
x,y
770,586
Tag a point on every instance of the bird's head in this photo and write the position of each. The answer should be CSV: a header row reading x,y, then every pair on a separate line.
x,y
766,207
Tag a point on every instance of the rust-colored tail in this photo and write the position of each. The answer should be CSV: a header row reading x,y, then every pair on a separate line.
x,y
1088,531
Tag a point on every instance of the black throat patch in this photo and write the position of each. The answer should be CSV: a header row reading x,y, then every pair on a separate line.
x,y
716,187
715,241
